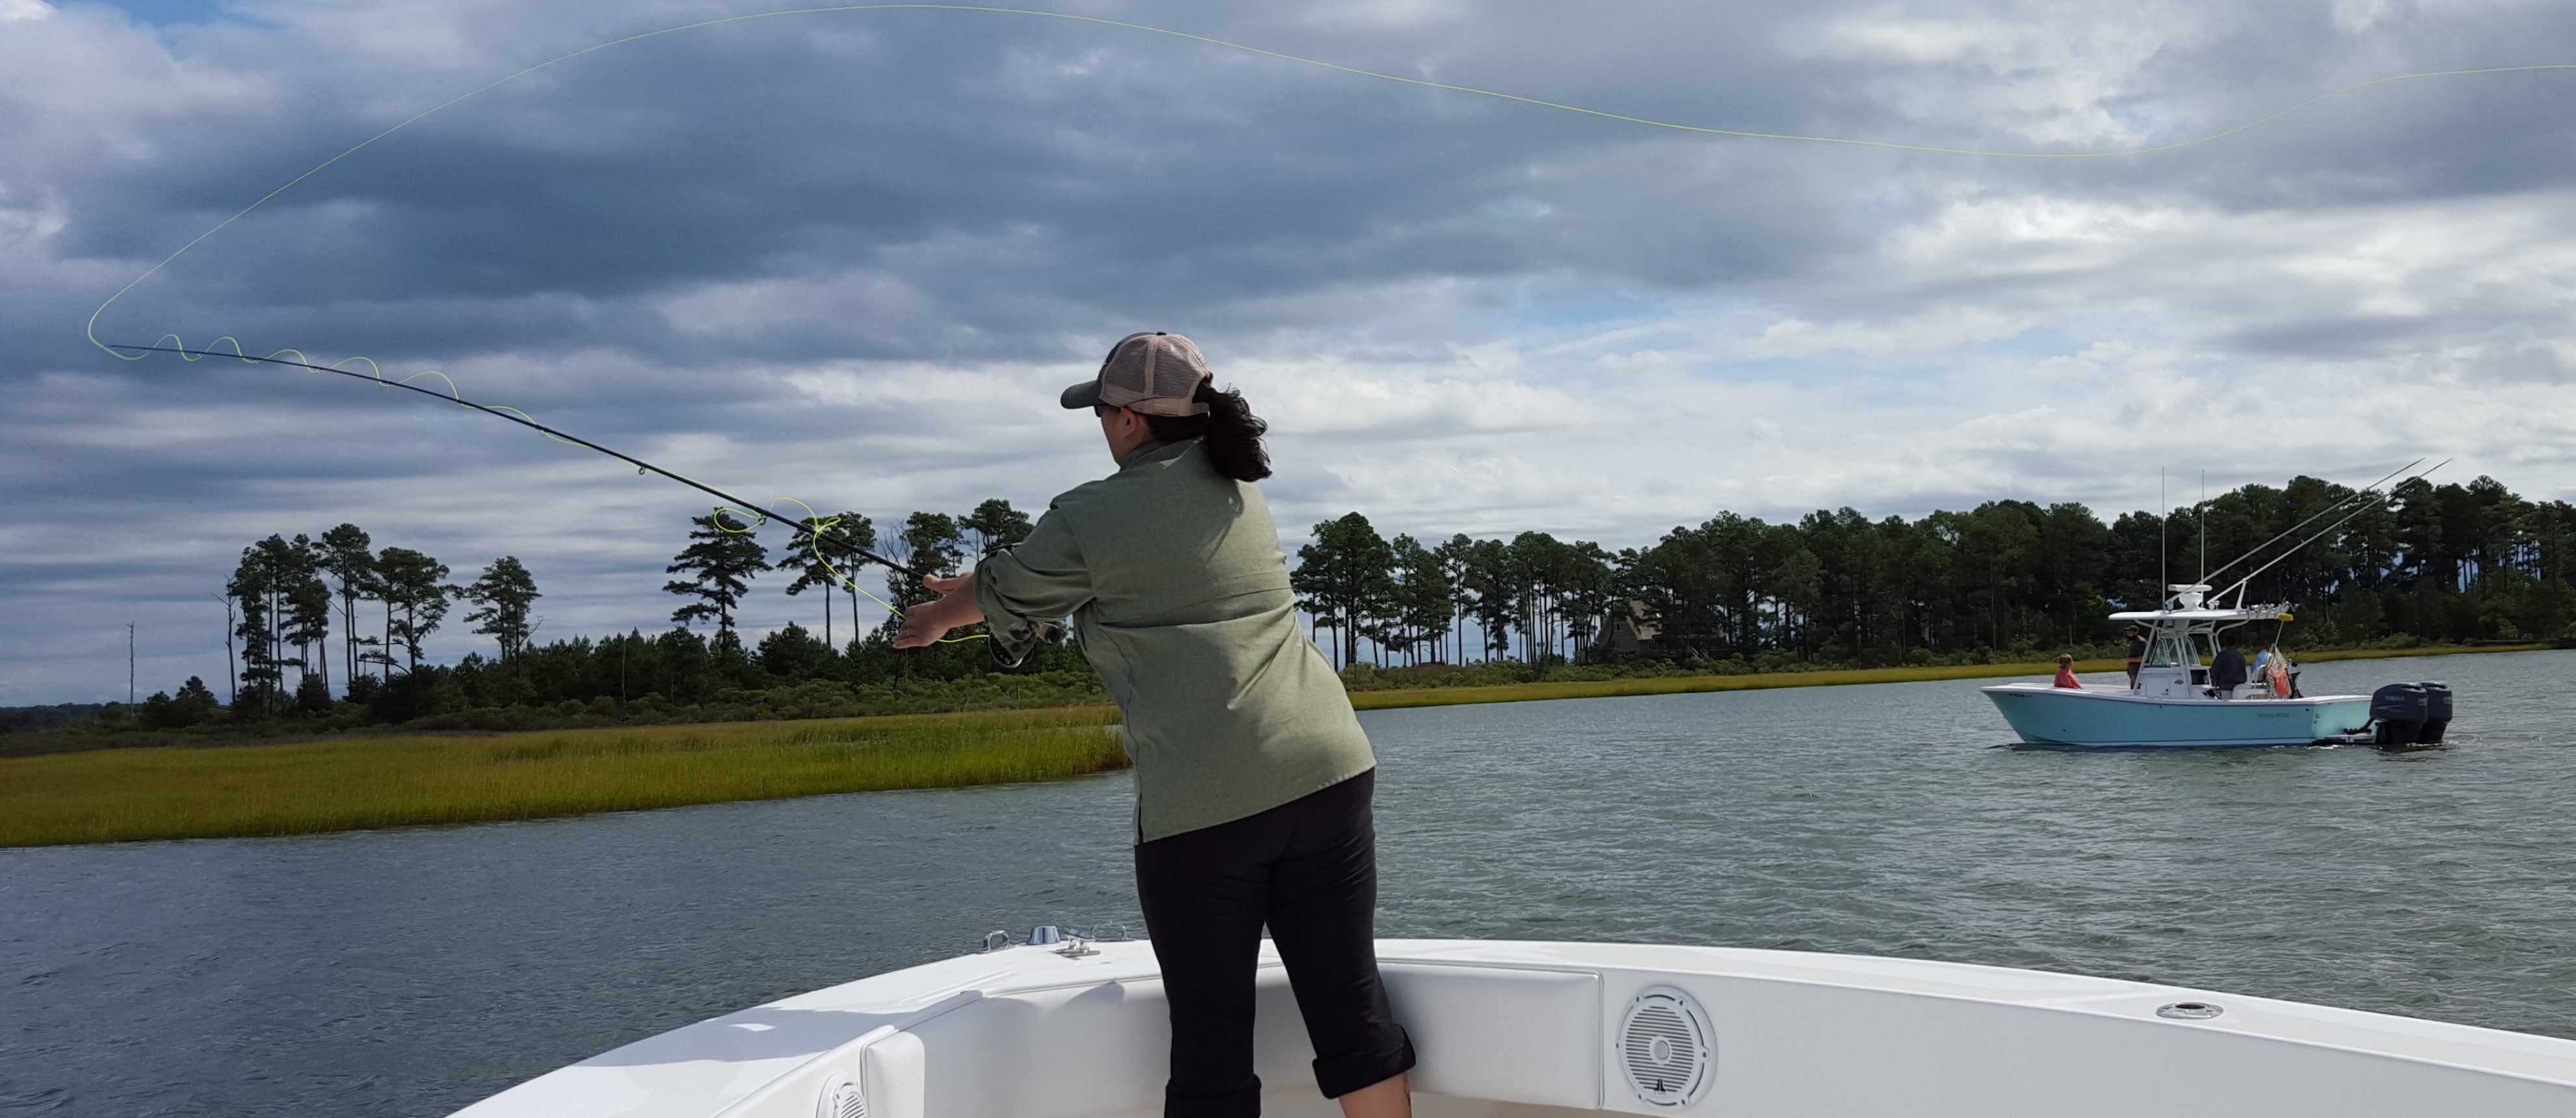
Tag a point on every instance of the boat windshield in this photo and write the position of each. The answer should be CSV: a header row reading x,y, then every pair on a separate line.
x,y
2165,651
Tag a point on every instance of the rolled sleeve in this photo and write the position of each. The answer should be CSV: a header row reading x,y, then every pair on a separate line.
x,y
1028,591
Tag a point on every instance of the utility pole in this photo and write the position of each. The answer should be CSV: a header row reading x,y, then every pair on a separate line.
x,y
129,663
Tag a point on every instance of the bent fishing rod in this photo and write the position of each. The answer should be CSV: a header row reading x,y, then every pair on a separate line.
x,y
802,527
2363,494
2359,502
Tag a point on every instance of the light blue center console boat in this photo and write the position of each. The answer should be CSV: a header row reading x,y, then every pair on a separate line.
x,y
2174,703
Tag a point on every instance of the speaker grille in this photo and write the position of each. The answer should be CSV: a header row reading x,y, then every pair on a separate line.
x,y
841,1099
1667,1048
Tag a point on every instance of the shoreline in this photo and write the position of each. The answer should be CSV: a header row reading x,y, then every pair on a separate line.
x,y
319,786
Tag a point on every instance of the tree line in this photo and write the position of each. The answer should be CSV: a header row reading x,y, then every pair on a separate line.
x,y
287,596
2446,562
283,594
2449,562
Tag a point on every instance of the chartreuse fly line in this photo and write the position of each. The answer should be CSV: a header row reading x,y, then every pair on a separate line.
x,y
813,528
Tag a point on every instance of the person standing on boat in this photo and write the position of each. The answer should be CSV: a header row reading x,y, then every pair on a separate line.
x,y
2227,670
2137,655
1253,777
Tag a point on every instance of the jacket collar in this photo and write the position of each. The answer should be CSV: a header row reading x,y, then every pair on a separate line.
x,y
1156,451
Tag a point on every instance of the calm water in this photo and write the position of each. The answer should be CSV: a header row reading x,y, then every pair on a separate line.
x,y
411,972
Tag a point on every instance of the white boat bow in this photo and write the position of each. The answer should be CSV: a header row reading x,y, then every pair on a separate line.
x,y
1554,1030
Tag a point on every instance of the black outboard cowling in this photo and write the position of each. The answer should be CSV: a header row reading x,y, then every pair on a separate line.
x,y
2400,710
2437,712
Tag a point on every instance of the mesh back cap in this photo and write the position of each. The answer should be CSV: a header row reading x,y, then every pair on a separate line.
x,y
1153,373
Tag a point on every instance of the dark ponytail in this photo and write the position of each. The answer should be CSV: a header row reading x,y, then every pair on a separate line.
x,y
1232,432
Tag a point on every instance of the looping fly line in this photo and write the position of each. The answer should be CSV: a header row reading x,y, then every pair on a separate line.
x,y
812,528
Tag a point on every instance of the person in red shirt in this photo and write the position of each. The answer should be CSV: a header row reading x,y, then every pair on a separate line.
x,y
2066,671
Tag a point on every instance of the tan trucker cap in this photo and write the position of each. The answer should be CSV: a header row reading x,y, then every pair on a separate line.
x,y
1154,373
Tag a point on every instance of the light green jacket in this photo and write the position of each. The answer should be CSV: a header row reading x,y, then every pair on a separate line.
x,y
1178,592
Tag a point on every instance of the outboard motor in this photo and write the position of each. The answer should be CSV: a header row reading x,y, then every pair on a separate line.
x,y
2400,710
2437,712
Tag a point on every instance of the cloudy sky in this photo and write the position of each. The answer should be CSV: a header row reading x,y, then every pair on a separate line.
x,y
849,258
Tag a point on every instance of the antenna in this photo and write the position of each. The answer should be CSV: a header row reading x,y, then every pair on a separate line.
x,y
2200,526
2164,576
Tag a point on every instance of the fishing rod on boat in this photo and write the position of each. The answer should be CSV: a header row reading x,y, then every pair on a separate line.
x,y
803,527
2364,493
2239,585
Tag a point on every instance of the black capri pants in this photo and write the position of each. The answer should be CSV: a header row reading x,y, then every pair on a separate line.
x,y
1307,868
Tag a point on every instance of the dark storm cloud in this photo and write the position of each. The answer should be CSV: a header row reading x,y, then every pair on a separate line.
x,y
1194,176
538,215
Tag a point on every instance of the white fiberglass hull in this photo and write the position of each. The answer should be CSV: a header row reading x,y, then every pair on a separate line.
x,y
2047,715
1555,1030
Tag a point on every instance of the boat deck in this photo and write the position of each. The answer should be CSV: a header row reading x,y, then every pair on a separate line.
x,y
1549,1030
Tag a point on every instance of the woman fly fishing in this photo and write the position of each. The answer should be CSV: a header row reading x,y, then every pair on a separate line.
x,y
1253,777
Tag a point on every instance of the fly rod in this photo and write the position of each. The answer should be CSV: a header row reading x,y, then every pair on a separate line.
x,y
802,527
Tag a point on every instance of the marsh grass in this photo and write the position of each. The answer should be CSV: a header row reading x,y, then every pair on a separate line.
x,y
310,787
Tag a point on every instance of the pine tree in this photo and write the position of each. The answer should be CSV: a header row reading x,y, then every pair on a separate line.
x,y
346,559
1347,577
826,557
720,563
269,574
194,703
504,593
1490,576
308,624
1452,556
853,534
994,525
1423,597
929,544
416,597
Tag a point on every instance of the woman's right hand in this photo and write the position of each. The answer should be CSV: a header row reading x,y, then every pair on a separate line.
x,y
924,624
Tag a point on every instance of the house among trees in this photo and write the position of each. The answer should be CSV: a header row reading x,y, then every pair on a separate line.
x,y
1629,630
